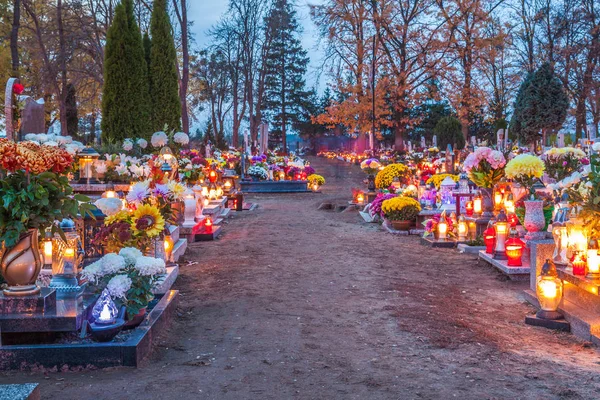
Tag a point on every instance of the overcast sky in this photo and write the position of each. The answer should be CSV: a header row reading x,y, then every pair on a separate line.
x,y
206,13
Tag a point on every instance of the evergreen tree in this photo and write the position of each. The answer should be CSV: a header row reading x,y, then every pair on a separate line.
x,y
541,105
449,131
286,65
164,89
125,101
147,51
71,111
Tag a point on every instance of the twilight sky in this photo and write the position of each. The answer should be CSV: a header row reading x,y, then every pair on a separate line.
x,y
206,13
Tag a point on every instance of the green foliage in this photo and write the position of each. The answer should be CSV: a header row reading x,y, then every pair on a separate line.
x,y
428,115
448,130
541,105
164,88
147,52
286,66
35,202
71,111
125,97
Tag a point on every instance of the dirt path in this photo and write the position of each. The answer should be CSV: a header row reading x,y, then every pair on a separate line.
x,y
293,302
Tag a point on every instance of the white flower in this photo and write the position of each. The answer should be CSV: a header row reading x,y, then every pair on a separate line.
x,y
51,143
42,137
64,140
119,285
139,192
143,143
100,166
109,206
93,272
122,169
159,139
130,254
150,266
127,145
181,138
112,263
596,146
72,149
189,167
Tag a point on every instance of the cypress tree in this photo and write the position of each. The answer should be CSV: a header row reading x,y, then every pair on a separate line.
x,y
166,108
147,50
71,111
541,105
286,66
125,97
449,131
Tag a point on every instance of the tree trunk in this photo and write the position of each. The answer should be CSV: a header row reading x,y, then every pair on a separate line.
x,y
185,65
62,92
14,37
93,117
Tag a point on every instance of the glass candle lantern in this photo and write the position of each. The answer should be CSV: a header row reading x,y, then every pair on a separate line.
x,y
514,249
501,228
462,228
472,230
66,256
489,238
498,199
167,154
105,311
593,261
360,198
208,225
549,291
47,249
169,245
204,191
396,184
509,204
446,193
442,229
561,241
227,185
469,208
212,176
86,159
477,204
513,220
577,247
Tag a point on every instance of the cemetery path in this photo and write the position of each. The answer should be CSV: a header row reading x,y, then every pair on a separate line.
x,y
297,303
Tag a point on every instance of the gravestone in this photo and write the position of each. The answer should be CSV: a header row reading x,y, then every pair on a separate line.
x,y
434,140
423,145
560,139
449,159
33,117
409,146
500,137
473,140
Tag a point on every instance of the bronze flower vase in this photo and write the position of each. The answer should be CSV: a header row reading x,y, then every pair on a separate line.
x,y
487,203
21,265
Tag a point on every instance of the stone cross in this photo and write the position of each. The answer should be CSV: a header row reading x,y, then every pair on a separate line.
x,y
500,139
8,109
423,141
449,159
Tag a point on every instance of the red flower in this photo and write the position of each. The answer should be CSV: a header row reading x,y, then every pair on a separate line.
x,y
18,88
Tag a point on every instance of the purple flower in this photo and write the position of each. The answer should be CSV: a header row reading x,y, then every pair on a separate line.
x,y
585,161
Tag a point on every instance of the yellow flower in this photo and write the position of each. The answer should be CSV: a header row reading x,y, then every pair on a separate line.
x,y
122,215
147,219
177,189
314,178
438,178
399,203
384,178
524,166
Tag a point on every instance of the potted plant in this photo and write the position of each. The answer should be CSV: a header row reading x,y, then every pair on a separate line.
x,y
485,169
35,193
401,211
527,169
129,277
315,182
258,173
370,166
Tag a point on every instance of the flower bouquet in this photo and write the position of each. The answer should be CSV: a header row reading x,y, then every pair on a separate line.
x,y
525,169
485,167
258,173
386,176
129,277
315,179
432,224
437,179
370,166
562,162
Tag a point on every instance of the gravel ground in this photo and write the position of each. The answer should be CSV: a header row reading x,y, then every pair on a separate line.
x,y
297,303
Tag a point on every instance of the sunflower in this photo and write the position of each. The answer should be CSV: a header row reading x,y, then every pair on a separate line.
x,y
122,215
148,219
